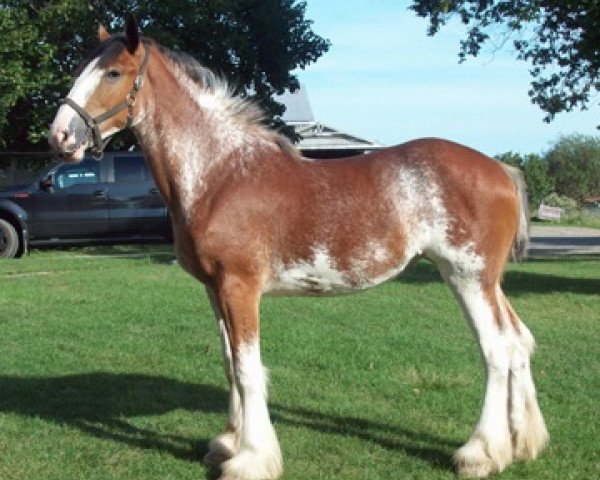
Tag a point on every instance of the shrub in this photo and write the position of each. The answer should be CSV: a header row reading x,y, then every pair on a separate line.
x,y
569,205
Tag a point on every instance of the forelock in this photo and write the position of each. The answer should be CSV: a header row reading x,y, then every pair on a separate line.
x,y
100,50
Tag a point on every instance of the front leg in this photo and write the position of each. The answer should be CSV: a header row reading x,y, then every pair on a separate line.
x,y
257,455
227,444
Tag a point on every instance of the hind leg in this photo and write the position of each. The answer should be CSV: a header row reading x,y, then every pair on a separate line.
x,y
489,449
528,430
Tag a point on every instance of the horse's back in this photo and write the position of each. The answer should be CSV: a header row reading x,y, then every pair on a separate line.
x,y
446,158
467,185
465,167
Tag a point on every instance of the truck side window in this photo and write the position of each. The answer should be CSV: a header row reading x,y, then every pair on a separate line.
x,y
69,175
130,169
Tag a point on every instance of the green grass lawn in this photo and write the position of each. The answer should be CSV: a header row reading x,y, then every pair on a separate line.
x,y
110,368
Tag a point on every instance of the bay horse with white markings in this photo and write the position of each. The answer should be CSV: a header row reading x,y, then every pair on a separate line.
x,y
252,217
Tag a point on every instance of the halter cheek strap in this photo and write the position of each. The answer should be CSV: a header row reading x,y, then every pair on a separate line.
x,y
93,123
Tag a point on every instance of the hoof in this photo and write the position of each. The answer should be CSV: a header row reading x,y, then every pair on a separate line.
x,y
251,465
529,442
477,460
220,449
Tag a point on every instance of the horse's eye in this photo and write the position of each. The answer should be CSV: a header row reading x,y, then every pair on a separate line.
x,y
113,74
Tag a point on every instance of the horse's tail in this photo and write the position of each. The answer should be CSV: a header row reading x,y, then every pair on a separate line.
x,y
521,240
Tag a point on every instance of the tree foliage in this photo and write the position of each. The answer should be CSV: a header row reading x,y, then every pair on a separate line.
x,y
254,43
571,168
510,158
561,40
574,164
537,176
536,171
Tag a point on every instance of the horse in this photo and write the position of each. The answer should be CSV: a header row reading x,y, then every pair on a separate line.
x,y
251,217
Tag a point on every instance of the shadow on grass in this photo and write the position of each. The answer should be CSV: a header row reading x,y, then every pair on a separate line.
x,y
516,282
435,450
99,404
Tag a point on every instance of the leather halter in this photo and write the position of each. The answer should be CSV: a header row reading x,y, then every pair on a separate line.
x,y
93,123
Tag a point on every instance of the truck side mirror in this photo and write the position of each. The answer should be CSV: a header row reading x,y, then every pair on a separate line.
x,y
47,184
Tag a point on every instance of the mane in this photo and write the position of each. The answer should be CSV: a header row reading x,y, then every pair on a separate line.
x,y
236,105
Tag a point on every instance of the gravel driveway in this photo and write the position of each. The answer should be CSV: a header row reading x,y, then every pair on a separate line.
x,y
548,240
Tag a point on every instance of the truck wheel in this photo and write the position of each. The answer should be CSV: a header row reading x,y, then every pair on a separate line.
x,y
9,240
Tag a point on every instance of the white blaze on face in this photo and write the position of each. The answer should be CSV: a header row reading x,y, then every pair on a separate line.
x,y
86,83
83,88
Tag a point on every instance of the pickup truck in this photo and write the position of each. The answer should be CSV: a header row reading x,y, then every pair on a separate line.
x,y
108,201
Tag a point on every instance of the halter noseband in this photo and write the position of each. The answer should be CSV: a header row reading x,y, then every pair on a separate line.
x,y
93,123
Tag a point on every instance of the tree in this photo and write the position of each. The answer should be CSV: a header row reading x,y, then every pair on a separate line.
x,y
510,158
574,164
561,40
254,43
25,75
536,172
537,176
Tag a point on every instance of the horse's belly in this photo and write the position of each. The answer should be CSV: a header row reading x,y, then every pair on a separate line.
x,y
308,281
321,276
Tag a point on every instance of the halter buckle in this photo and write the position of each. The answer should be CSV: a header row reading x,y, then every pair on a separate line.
x,y
139,81
130,99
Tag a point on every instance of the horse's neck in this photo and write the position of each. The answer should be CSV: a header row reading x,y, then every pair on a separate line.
x,y
187,134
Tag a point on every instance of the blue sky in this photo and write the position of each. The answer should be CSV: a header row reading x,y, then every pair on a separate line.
x,y
384,79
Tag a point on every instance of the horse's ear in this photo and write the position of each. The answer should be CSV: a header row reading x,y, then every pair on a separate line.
x,y
132,33
102,33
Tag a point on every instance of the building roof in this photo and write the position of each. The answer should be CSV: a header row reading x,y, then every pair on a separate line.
x,y
316,136
297,106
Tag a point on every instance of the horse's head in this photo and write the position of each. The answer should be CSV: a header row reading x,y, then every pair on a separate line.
x,y
104,98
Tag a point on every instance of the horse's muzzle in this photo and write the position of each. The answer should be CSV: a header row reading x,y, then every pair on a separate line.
x,y
69,137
